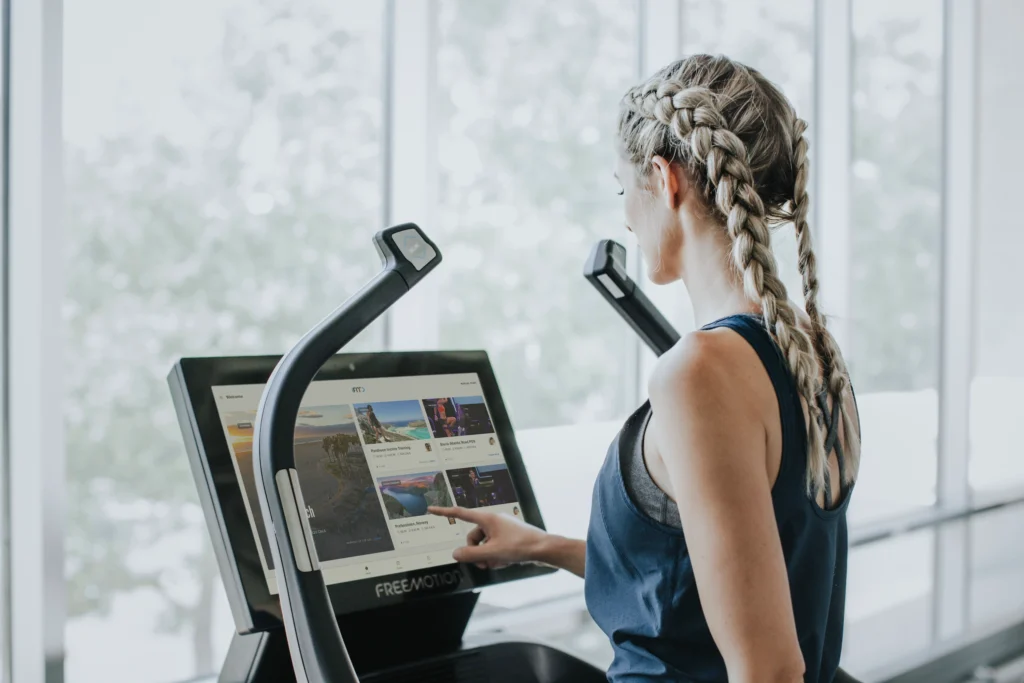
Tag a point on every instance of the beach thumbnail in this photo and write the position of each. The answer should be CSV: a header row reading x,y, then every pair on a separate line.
x,y
390,421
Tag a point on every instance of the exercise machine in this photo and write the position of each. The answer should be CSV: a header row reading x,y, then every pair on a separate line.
x,y
606,270
334,572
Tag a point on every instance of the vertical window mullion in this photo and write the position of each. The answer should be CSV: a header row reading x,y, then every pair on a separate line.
x,y
411,167
958,218
832,154
35,292
6,673
952,561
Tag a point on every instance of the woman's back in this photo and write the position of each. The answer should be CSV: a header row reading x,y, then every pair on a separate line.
x,y
641,588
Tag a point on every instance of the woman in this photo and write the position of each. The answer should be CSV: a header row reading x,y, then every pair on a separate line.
x,y
375,425
750,440
462,416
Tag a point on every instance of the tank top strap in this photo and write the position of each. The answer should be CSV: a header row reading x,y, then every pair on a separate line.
x,y
751,327
830,422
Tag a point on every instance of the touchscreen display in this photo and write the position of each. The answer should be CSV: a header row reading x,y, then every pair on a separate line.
x,y
371,455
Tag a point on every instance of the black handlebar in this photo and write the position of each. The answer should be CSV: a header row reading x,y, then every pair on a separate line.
x,y
606,270
317,650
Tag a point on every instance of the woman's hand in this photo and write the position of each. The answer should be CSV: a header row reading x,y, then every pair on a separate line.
x,y
497,541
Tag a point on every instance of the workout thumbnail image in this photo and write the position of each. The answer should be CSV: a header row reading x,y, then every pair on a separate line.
x,y
388,421
475,487
408,495
338,489
458,416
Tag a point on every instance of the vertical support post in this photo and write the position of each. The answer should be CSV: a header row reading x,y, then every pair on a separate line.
x,y
959,145
831,159
35,288
959,149
411,167
6,649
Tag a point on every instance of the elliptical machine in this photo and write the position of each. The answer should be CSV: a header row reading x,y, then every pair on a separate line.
x,y
391,623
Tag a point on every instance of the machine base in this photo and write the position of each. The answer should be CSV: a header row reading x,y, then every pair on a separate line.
x,y
415,642
501,662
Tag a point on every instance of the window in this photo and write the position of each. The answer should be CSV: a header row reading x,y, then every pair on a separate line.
x,y
225,169
777,39
890,595
895,250
997,392
996,566
222,169
527,99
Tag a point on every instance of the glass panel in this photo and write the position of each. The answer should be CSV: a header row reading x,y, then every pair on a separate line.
x,y
223,165
528,93
895,259
997,393
889,601
997,566
777,39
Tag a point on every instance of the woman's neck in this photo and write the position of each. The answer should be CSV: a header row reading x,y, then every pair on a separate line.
x,y
715,287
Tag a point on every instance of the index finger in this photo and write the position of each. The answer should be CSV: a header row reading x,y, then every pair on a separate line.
x,y
465,514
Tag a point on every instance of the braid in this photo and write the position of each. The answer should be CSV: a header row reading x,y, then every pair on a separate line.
x,y
834,371
705,141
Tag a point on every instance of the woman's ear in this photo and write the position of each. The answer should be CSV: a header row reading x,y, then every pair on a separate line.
x,y
666,181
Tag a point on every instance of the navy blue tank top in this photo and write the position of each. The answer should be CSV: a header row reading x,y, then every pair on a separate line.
x,y
640,587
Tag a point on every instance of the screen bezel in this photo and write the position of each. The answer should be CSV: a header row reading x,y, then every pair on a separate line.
x,y
231,526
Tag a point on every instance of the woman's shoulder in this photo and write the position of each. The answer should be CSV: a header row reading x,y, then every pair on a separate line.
x,y
713,378
705,359
710,404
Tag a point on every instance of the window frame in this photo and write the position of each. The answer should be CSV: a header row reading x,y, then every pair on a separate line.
x,y
6,673
34,288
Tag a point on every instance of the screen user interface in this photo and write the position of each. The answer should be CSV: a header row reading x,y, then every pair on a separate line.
x,y
371,455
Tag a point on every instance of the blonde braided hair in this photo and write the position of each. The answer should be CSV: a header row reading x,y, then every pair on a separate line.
x,y
741,144
835,374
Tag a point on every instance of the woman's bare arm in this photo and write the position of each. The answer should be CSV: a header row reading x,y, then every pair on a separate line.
x,y
569,554
713,445
499,540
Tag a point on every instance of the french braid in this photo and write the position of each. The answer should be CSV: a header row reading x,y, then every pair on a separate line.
x,y
834,371
740,142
